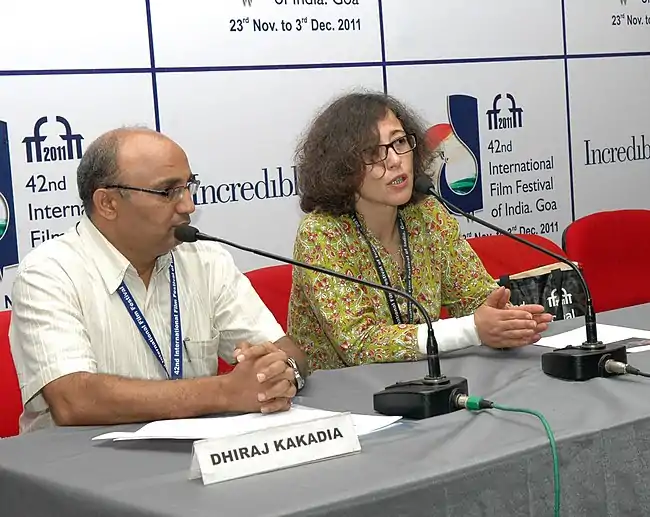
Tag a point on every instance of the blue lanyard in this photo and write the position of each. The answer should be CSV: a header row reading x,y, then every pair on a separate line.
x,y
147,334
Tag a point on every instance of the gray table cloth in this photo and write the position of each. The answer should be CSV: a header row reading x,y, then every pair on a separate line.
x,y
458,465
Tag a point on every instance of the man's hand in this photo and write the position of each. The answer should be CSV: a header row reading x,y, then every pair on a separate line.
x,y
501,325
276,380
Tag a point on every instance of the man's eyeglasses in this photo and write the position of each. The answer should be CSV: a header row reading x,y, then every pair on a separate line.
x,y
172,194
402,145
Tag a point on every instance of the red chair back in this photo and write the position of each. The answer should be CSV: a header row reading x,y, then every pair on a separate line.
x,y
612,247
273,285
11,405
502,255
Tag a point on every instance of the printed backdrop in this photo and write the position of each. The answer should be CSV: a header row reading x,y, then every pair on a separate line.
x,y
539,107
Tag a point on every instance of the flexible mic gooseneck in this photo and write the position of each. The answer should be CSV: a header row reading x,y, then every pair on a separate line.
x,y
430,396
579,363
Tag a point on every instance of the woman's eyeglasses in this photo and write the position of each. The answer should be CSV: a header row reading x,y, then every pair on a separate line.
x,y
402,145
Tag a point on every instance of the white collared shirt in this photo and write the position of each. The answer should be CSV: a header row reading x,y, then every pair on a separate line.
x,y
68,317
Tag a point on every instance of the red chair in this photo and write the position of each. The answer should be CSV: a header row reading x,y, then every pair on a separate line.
x,y
223,367
502,255
11,404
273,285
612,247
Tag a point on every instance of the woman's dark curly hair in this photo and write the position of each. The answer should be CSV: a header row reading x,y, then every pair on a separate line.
x,y
328,159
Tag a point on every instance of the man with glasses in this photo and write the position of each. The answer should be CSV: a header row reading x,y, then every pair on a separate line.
x,y
116,321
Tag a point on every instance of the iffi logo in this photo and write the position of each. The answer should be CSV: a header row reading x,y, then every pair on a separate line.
x,y
39,149
8,240
511,119
457,167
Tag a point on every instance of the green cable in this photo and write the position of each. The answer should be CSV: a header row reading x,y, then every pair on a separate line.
x,y
478,403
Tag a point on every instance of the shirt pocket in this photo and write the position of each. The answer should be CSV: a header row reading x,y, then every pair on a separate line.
x,y
200,357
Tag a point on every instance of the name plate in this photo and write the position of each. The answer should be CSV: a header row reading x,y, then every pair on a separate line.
x,y
231,457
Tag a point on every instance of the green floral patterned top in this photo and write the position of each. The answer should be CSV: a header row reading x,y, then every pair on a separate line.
x,y
338,323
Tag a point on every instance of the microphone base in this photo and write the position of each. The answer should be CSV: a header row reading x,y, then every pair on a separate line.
x,y
421,398
583,362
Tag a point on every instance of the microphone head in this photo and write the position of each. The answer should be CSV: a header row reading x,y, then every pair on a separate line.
x,y
186,233
423,185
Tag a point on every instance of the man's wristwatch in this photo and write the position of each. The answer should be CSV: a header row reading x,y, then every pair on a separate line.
x,y
300,381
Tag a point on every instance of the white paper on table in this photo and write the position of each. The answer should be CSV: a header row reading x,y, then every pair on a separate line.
x,y
219,427
606,334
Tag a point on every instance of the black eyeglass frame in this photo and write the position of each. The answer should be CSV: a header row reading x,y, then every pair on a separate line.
x,y
173,193
410,137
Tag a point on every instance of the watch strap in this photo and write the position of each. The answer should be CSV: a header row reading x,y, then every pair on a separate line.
x,y
299,379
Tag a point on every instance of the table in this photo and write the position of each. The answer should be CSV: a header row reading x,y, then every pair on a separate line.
x,y
458,465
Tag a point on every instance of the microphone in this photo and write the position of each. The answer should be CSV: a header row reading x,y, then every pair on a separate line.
x,y
430,396
574,363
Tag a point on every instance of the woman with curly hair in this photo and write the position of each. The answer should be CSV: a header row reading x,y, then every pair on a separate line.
x,y
356,168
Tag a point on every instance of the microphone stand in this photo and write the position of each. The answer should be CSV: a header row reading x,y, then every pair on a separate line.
x,y
432,395
574,363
